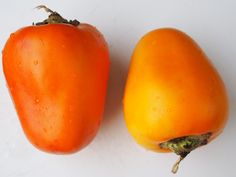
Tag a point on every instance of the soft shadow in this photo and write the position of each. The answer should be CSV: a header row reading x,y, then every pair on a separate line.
x,y
232,112
116,84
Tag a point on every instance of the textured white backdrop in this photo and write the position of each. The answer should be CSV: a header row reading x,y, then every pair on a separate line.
x,y
113,152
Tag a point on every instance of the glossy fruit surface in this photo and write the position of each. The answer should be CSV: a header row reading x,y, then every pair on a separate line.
x,y
172,91
57,76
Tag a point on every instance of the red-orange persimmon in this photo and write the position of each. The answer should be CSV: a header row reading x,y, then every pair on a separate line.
x,y
57,74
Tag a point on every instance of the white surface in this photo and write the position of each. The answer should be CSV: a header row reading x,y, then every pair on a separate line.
x,y
113,152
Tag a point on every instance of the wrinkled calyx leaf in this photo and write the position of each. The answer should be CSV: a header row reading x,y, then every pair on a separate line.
x,y
184,145
55,18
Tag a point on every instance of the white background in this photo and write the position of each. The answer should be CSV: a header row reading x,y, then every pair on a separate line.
x,y
113,152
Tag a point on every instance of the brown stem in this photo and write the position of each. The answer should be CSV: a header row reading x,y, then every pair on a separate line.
x,y
176,165
44,8
55,18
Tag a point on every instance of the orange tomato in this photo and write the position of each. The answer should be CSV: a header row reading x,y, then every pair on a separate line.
x,y
57,76
174,98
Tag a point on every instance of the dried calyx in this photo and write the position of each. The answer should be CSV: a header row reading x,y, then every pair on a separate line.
x,y
55,18
184,145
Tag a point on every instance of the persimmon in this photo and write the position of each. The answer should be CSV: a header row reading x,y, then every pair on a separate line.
x,y
57,73
175,100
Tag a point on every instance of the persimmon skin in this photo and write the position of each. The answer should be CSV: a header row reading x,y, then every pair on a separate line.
x,y
57,76
172,90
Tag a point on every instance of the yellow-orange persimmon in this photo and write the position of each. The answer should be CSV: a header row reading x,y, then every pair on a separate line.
x,y
57,74
174,98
